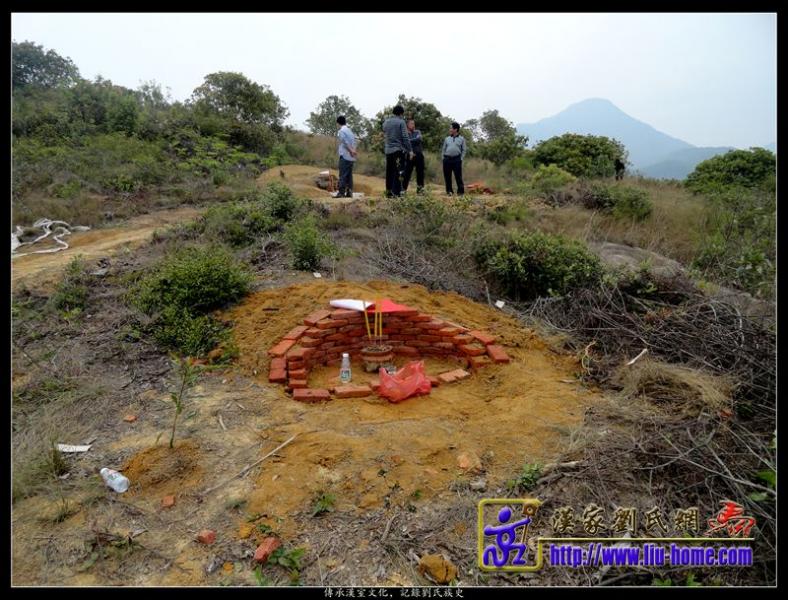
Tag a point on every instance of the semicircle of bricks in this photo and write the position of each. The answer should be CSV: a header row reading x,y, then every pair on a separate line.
x,y
326,334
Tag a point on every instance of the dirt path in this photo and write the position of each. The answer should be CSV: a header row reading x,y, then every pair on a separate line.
x,y
42,269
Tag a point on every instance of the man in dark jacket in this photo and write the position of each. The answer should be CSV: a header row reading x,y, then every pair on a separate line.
x,y
417,160
397,150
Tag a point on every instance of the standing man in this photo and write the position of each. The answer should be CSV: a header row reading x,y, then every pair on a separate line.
x,y
620,167
417,160
453,152
397,150
347,156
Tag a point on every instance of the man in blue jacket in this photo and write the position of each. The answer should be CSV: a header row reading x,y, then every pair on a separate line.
x,y
397,150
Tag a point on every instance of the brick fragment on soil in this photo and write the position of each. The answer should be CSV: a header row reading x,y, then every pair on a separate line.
x,y
477,362
473,349
352,391
130,418
498,354
168,501
206,536
311,395
266,548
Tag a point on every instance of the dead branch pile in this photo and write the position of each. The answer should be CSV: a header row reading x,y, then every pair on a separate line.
x,y
696,331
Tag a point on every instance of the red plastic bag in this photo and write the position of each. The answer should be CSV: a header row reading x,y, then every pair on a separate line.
x,y
410,380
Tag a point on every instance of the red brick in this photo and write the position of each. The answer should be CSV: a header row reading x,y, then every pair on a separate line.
x,y
412,331
444,345
308,342
461,374
333,362
316,316
296,364
327,345
419,318
406,313
498,354
406,350
206,536
484,337
477,362
296,332
277,376
463,338
337,337
356,332
437,324
429,338
281,348
266,549
168,501
473,350
295,384
313,332
278,363
352,391
297,374
130,418
329,323
419,343
311,395
343,313
299,353
449,331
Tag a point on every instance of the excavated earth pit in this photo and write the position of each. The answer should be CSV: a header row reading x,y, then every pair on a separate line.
x,y
371,453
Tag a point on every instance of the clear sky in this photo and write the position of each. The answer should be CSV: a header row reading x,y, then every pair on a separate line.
x,y
709,79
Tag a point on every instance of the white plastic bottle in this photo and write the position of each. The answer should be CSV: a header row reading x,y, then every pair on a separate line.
x,y
115,480
344,371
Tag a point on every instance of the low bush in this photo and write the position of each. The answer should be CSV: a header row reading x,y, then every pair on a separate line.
x,y
621,202
179,329
529,265
547,179
196,279
308,244
281,203
71,293
237,224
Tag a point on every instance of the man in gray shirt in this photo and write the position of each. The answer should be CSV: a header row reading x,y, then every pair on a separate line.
x,y
453,152
397,150
347,156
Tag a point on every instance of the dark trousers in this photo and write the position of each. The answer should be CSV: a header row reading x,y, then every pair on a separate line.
x,y
418,162
345,177
453,165
395,164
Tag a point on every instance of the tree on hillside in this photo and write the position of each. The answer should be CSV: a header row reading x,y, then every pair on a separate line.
x,y
235,96
581,155
323,121
32,66
497,139
753,168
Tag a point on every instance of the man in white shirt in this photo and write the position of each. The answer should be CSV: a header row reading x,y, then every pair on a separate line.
x,y
347,156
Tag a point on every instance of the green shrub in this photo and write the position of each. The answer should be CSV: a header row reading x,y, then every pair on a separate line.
x,y
549,178
622,202
308,244
282,204
509,212
179,329
581,155
528,265
195,279
237,224
71,293
754,168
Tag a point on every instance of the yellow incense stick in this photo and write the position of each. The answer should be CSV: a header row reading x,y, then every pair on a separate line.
x,y
366,320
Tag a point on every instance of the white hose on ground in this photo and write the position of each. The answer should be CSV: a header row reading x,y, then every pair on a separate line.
x,y
45,225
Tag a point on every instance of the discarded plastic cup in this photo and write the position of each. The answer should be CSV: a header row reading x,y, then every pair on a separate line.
x,y
115,480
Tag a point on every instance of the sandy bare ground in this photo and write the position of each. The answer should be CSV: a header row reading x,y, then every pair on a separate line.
x,y
42,269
